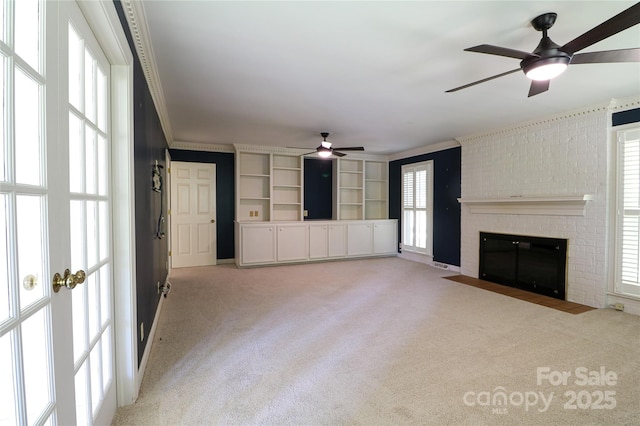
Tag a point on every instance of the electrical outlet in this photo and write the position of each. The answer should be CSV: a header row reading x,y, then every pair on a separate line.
x,y
255,213
251,213
618,306
142,332
305,213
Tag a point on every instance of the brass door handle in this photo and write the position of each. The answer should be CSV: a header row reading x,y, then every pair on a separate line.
x,y
68,280
213,221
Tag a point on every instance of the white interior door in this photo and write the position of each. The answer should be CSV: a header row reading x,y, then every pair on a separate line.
x,y
56,350
193,214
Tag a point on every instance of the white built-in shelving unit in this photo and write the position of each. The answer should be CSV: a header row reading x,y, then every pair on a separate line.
x,y
253,186
376,189
286,187
361,190
269,187
350,190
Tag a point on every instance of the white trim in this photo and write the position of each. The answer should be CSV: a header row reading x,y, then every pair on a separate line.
x,y
631,304
263,149
625,104
105,23
429,168
616,287
167,209
603,106
441,146
416,257
137,20
209,147
150,339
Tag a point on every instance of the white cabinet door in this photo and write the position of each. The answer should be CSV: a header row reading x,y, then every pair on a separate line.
x,y
359,239
384,237
258,244
337,244
318,242
292,242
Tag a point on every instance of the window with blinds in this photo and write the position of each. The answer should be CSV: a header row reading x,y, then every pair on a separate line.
x,y
417,207
628,224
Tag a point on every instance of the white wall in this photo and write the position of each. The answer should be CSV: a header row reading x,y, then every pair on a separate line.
x,y
562,155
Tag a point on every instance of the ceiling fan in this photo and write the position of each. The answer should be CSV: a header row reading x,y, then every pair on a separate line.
x,y
549,60
325,150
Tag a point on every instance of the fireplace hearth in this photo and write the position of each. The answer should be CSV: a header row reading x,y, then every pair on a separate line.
x,y
536,264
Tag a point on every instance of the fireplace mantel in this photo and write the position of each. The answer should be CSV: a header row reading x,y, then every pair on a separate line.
x,y
561,205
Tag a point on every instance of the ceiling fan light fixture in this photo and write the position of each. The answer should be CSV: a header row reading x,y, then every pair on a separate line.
x,y
324,152
546,68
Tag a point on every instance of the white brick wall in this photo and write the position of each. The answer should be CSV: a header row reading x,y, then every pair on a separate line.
x,y
563,155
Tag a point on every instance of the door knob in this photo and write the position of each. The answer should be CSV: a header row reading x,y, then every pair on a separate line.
x,y
30,281
68,280
213,221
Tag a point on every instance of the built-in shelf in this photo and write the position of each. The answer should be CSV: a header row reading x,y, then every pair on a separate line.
x,y
562,205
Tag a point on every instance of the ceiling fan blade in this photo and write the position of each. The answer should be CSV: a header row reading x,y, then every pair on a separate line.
x,y
607,56
500,51
538,87
482,81
350,148
338,154
623,20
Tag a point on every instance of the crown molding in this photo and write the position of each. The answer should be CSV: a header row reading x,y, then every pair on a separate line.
x,y
626,103
208,147
307,153
600,107
428,149
137,20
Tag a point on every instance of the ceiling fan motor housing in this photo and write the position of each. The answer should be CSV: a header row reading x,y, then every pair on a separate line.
x,y
547,52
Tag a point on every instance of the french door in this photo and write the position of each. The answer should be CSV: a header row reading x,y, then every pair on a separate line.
x,y
56,331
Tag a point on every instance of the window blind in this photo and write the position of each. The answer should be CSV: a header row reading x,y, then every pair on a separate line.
x,y
629,211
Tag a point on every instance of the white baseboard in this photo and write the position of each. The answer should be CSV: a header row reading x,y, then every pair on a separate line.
x,y
223,261
427,260
631,304
150,337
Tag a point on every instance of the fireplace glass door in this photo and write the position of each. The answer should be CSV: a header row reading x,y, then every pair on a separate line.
x,y
531,263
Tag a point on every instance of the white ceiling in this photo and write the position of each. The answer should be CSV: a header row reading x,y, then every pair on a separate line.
x,y
370,73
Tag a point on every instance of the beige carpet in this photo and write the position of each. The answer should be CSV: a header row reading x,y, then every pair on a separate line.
x,y
377,342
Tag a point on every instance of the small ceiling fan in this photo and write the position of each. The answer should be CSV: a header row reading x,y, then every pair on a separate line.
x,y
549,60
325,150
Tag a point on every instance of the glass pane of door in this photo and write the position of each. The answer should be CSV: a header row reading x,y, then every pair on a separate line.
x,y
26,388
89,159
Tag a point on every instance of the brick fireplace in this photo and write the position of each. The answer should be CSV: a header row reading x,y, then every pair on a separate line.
x,y
547,178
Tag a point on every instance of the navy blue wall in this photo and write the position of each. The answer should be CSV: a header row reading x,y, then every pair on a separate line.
x,y
446,209
318,188
149,146
225,204
626,117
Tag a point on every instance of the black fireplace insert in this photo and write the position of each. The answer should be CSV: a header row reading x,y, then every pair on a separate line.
x,y
535,264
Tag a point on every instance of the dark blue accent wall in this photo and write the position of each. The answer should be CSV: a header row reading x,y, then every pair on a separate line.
x,y
149,146
446,209
625,117
225,198
318,188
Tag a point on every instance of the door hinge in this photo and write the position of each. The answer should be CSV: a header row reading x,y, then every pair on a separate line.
x,y
169,252
169,211
169,170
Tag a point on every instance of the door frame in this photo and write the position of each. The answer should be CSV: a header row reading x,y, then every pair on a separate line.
x,y
103,19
